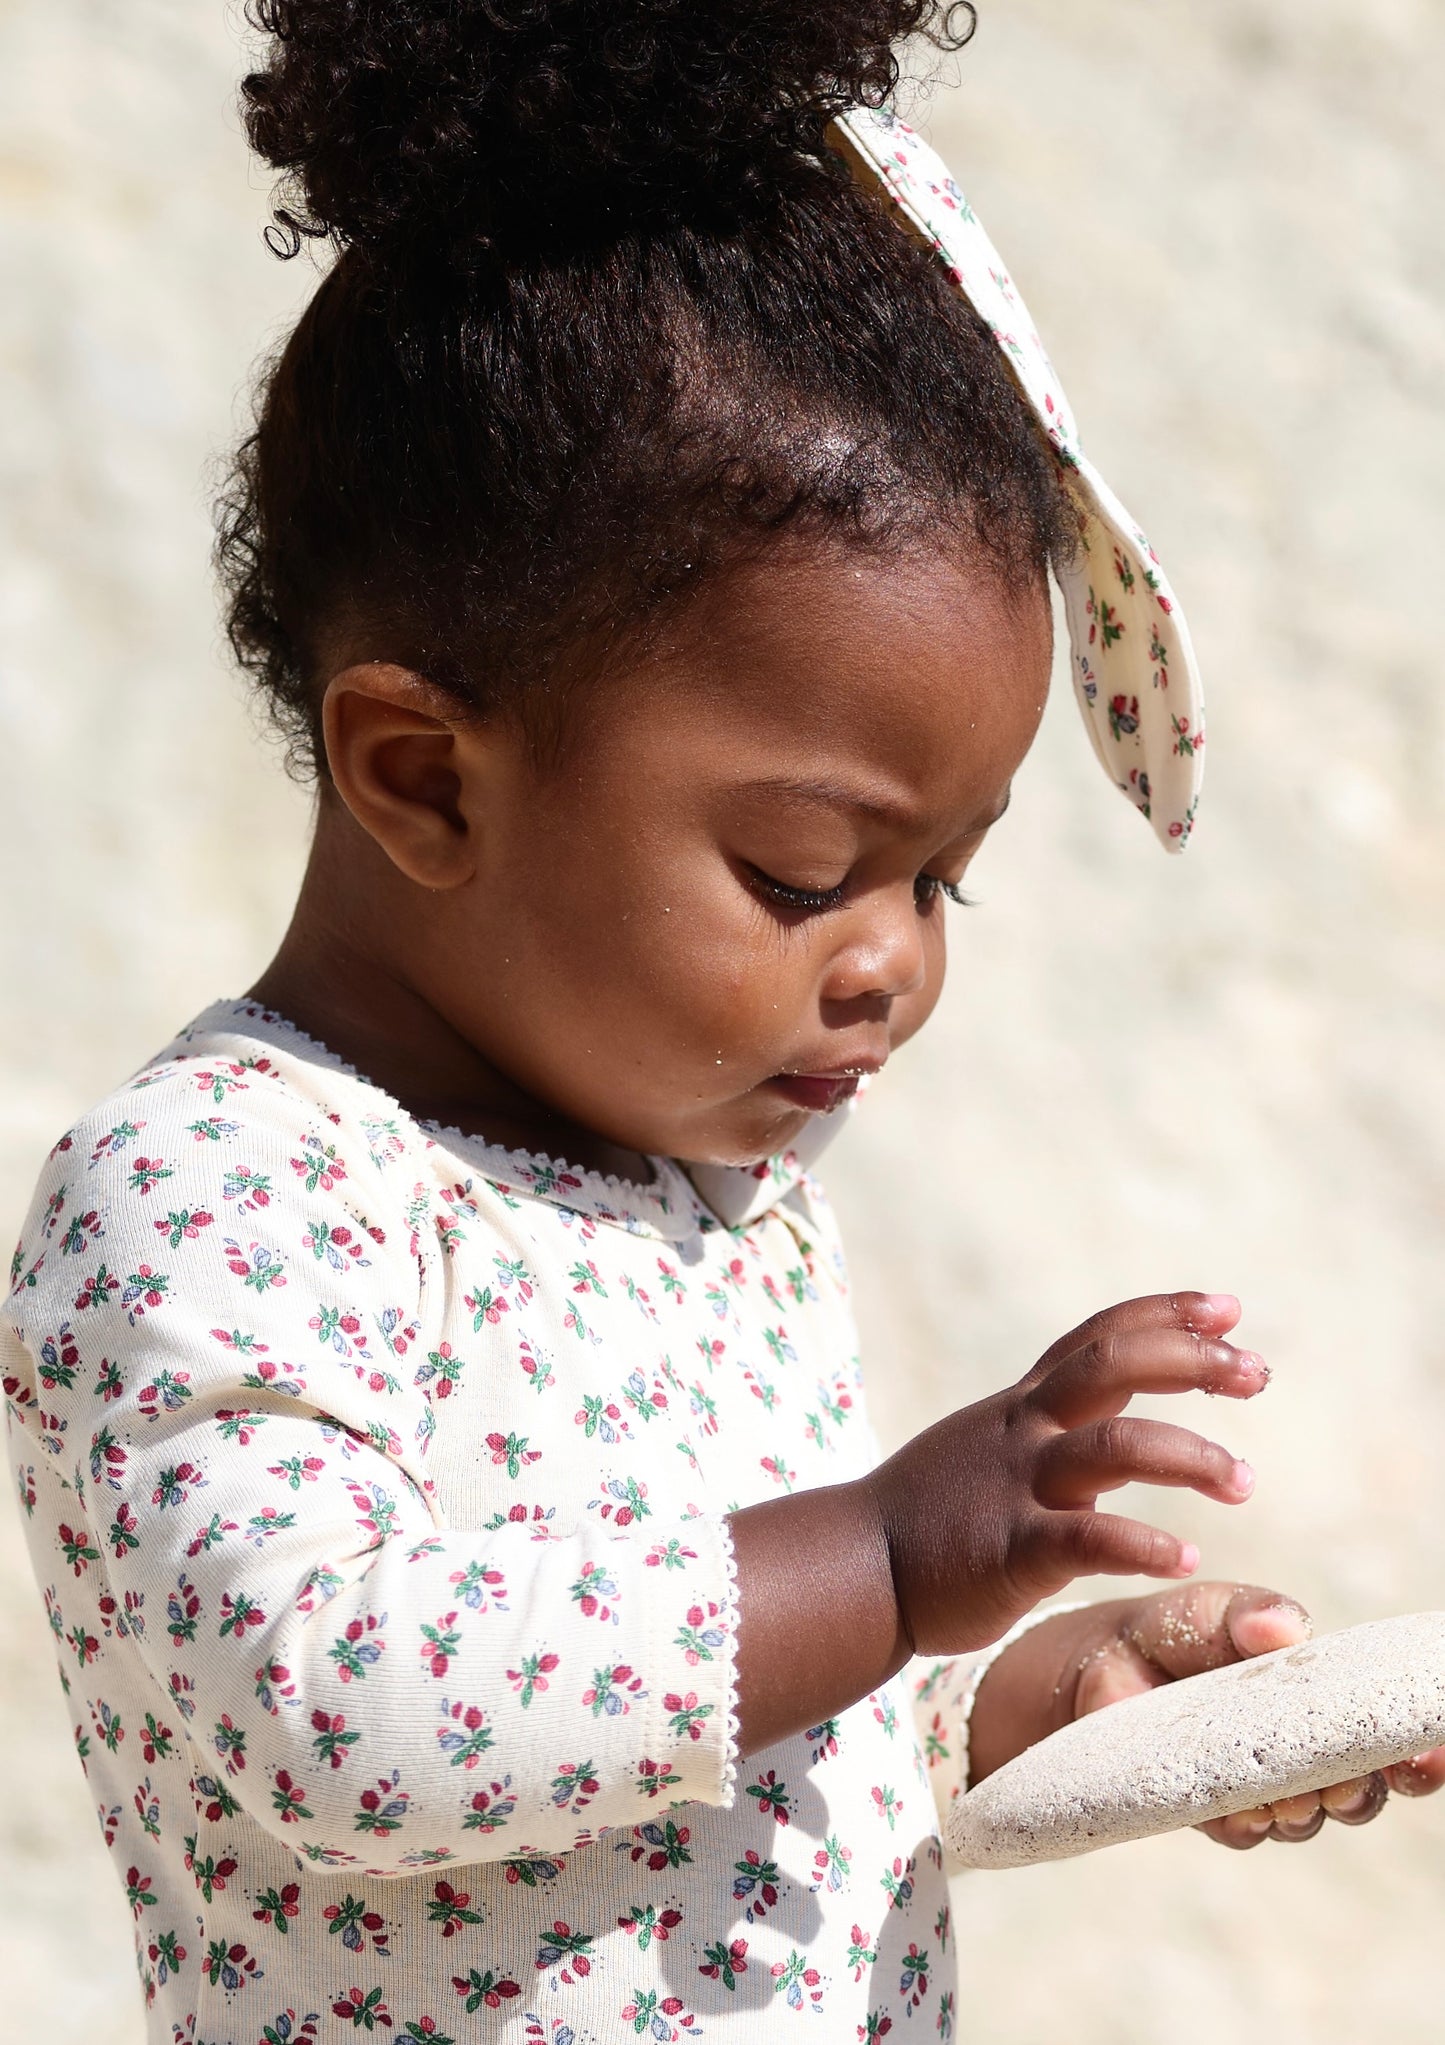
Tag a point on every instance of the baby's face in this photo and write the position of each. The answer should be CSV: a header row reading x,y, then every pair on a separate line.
x,y
728,902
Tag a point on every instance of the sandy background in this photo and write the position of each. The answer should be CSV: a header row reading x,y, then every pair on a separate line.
x,y
1148,1073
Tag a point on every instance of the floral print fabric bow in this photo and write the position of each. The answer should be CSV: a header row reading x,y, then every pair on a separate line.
x,y
1133,666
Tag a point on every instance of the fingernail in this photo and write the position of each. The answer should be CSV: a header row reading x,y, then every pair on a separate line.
x,y
1221,1302
1188,1559
1242,1477
1250,1359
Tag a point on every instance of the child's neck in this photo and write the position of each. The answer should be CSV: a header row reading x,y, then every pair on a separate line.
x,y
339,977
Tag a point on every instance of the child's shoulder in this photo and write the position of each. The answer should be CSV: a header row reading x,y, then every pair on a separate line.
x,y
231,1127
240,1074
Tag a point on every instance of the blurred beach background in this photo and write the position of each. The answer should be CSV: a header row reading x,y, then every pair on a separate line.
x,y
1224,1071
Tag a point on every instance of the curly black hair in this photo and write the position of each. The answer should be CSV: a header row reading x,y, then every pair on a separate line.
x,y
606,314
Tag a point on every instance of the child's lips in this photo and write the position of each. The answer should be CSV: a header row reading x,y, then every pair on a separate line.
x,y
818,1092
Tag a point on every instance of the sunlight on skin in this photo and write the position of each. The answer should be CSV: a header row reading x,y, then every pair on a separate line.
x,y
1186,1632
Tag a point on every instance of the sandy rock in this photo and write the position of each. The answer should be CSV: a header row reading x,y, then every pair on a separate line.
x,y
1300,1719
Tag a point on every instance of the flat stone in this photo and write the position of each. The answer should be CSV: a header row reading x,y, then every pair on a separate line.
x,y
1302,1718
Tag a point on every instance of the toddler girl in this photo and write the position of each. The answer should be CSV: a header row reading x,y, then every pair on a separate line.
x,y
481,1610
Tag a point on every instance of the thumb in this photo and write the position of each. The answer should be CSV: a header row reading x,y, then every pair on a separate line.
x,y
1207,1625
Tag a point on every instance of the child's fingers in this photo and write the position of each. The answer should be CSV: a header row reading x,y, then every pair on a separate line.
x,y
1203,1313
1075,1467
1421,1776
1101,1378
1106,1544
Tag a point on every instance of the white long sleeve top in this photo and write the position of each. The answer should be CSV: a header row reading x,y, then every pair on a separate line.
x,y
376,1484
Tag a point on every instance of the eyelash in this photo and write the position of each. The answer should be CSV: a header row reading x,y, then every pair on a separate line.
x,y
813,902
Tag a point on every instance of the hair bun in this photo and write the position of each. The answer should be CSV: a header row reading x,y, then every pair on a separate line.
x,y
495,123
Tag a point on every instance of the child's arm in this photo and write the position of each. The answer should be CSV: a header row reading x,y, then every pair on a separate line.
x,y
218,1394
970,1524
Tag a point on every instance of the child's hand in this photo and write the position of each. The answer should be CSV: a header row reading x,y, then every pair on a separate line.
x,y
994,1508
1141,1643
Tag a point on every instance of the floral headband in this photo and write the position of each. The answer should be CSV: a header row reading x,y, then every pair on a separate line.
x,y
1133,665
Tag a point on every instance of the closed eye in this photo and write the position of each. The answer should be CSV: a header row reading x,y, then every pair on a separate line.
x,y
807,901
928,885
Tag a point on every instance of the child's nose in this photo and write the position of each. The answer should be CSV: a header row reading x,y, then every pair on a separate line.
x,y
883,957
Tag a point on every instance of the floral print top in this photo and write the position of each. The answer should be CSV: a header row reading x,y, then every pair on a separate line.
x,y
376,1486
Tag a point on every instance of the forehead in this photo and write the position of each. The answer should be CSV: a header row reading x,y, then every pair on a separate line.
x,y
909,687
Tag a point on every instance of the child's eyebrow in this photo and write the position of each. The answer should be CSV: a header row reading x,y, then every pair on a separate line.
x,y
876,806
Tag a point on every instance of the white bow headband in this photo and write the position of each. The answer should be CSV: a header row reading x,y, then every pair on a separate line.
x,y
1132,662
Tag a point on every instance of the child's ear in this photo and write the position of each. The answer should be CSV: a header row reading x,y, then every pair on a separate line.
x,y
397,754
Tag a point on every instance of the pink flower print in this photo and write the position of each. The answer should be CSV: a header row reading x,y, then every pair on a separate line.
x,y
653,1777
259,1266
647,1402
238,1612
1104,626
1186,742
365,2010
359,1648
533,1675
441,1370
340,1247
725,1962
96,1290
146,1173
664,2019
1123,716
76,1547
646,1923
484,1988
660,1842
450,1909
831,1864
289,1798
861,1955
602,1420
176,1483
571,1948
574,1785
592,1590
777,1469
755,1883
167,1393
58,1360
887,1803
510,1451
294,1471
229,1740
913,1982
487,1307
490,1808
396,1332
626,1502
318,1167
534,1366
672,1285
701,1637
332,1741
772,1797
669,1554
275,1686
799,1984
384,1807
898,1881
184,1225
279,1908
439,1644
687,1714
476,1581
463,1735
167,1955
613,1690
823,1739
